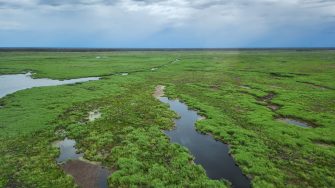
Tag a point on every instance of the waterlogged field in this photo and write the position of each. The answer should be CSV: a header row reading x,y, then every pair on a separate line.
x,y
275,110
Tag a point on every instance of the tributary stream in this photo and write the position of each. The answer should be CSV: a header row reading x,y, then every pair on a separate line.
x,y
15,82
211,154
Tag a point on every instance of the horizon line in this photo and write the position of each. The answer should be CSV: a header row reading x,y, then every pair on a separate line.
x,y
100,49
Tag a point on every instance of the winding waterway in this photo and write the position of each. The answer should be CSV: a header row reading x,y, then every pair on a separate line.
x,y
85,173
211,154
15,82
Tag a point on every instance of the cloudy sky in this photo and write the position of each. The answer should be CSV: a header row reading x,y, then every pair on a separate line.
x,y
167,23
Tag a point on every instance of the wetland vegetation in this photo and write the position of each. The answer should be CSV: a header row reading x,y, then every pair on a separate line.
x,y
115,122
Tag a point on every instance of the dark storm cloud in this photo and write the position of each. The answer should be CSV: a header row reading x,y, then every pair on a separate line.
x,y
206,22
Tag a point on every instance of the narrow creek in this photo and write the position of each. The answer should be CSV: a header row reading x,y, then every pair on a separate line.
x,y
86,174
212,155
15,82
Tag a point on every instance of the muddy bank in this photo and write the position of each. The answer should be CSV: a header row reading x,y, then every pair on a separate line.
x,y
266,101
159,91
267,97
273,107
86,174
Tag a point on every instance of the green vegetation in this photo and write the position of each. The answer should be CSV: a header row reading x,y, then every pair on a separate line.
x,y
224,86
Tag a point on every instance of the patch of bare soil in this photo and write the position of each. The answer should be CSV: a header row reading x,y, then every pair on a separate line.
x,y
267,97
267,100
273,107
87,175
201,118
159,91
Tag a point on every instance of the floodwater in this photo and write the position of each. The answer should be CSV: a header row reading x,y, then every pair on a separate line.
x,y
212,155
15,82
295,122
85,173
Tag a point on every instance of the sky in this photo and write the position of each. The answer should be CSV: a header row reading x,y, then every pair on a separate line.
x,y
167,23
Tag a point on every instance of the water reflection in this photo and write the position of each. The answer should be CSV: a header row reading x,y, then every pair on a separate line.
x,y
86,174
15,82
212,155
67,150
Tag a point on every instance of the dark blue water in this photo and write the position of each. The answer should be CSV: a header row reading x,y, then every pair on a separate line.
x,y
212,155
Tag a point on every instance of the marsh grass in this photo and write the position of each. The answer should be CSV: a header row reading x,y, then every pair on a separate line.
x,y
128,138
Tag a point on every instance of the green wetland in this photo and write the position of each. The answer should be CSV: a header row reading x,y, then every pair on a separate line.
x,y
96,119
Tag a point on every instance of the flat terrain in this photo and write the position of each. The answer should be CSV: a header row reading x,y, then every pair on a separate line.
x,y
252,100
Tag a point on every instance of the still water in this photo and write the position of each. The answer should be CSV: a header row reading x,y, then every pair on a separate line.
x,y
212,155
15,82
85,173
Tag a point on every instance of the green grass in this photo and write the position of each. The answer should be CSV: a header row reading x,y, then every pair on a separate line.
x,y
66,65
129,139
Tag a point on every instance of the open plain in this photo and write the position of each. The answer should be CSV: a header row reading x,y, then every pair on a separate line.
x,y
273,109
